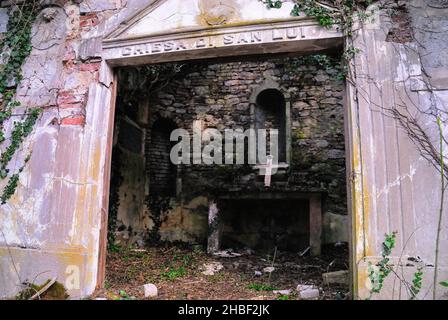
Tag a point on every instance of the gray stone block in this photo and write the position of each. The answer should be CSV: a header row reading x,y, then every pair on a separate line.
x,y
90,48
3,20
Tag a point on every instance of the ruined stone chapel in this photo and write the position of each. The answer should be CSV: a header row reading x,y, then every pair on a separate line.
x,y
114,79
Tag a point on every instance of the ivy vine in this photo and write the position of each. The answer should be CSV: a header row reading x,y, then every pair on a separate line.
x,y
20,132
331,13
15,48
383,269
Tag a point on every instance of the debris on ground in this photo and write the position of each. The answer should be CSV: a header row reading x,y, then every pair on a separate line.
x,y
176,272
210,269
249,251
138,250
268,269
282,292
229,253
304,252
49,290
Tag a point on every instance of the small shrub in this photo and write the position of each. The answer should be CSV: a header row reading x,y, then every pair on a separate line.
x,y
260,287
174,273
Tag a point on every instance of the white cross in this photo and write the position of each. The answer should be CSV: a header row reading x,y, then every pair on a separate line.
x,y
268,170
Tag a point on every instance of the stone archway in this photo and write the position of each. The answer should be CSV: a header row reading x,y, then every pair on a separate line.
x,y
271,86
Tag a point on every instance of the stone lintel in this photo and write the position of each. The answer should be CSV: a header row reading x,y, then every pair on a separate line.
x,y
295,36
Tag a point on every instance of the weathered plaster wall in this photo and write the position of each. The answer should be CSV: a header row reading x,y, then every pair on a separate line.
x,y
52,224
395,187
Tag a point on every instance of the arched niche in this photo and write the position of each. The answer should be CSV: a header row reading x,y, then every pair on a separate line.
x,y
271,109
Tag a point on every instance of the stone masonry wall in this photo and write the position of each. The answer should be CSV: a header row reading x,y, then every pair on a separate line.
x,y
218,93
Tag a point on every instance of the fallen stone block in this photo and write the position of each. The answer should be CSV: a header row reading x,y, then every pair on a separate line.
x,y
302,287
336,277
309,294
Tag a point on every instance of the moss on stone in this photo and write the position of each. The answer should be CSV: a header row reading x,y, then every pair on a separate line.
x,y
57,291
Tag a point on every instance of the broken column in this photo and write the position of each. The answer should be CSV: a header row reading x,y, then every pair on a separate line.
x,y
214,228
315,224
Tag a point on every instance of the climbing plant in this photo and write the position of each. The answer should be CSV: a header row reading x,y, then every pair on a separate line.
x,y
338,13
381,270
15,47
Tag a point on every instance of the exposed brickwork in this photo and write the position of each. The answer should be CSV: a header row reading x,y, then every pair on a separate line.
x,y
89,20
73,121
69,99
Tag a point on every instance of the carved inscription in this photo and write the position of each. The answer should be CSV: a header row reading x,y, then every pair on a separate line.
x,y
231,39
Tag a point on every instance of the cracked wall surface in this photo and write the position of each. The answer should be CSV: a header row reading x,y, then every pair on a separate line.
x,y
399,188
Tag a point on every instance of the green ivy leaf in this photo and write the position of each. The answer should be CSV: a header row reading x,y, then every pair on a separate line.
x,y
278,4
444,283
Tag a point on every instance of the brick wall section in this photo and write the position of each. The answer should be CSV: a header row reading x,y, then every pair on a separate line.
x,y
162,173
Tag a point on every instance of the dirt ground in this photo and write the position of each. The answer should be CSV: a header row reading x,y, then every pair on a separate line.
x,y
177,273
